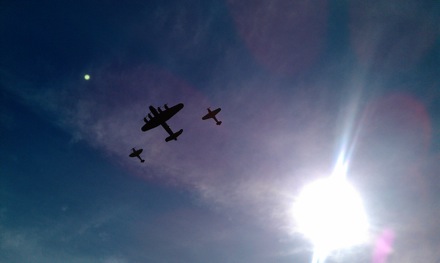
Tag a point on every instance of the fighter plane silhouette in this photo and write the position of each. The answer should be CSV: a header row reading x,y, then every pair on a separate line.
x,y
137,153
211,114
160,117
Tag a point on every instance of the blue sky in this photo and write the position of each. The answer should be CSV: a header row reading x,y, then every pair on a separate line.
x,y
297,83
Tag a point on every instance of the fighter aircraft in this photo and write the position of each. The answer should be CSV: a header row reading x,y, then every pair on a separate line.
x,y
137,153
160,117
211,114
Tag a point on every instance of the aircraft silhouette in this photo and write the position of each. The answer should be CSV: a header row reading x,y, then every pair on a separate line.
x,y
160,117
211,114
137,153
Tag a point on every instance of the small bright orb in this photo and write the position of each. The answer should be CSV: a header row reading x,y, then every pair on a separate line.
x,y
86,76
330,213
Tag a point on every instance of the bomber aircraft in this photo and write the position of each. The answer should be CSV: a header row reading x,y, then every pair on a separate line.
x,y
160,117
211,114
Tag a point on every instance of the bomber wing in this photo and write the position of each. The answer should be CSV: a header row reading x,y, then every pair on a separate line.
x,y
169,112
160,117
150,124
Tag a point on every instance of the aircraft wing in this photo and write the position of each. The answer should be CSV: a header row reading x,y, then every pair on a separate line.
x,y
211,114
160,117
152,123
207,116
136,152
168,113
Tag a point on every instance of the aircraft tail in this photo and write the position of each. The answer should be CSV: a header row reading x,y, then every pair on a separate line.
x,y
174,136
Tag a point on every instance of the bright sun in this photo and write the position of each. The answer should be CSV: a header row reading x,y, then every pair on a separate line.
x,y
330,213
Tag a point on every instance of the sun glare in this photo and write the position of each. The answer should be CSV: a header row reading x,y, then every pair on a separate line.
x,y
330,213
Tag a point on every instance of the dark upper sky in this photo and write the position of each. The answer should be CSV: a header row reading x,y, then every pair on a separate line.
x,y
298,83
